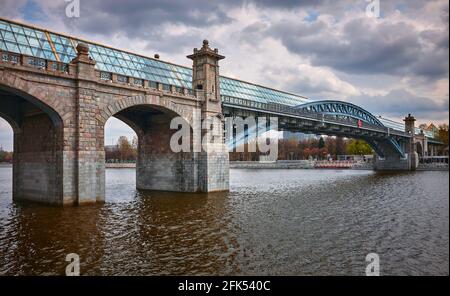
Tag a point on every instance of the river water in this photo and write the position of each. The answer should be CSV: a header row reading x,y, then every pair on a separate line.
x,y
272,222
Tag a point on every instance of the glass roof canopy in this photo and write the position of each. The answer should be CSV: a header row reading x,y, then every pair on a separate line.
x,y
401,126
43,44
39,43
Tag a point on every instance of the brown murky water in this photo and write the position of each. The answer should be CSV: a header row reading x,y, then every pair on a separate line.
x,y
272,222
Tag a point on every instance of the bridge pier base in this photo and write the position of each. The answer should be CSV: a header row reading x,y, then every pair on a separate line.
x,y
394,163
38,162
160,168
182,172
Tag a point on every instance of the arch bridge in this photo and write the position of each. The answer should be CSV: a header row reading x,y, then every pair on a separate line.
x,y
57,92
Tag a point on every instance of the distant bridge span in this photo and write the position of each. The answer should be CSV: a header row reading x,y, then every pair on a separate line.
x,y
58,91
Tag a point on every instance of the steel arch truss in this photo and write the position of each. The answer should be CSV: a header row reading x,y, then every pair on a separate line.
x,y
340,109
389,146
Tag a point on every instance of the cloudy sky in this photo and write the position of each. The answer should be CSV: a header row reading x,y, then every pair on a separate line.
x,y
394,64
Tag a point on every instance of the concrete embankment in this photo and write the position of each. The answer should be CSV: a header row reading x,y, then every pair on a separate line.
x,y
311,164
120,165
300,164
432,167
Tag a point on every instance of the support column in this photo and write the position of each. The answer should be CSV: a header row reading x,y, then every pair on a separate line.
x,y
158,167
213,160
89,150
393,161
37,161
412,156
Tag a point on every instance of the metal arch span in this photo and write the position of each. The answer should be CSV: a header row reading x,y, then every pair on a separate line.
x,y
340,108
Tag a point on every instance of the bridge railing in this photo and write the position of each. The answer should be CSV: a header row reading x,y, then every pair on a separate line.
x,y
67,68
289,110
33,62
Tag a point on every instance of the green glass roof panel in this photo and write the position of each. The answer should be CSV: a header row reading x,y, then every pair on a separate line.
x,y
4,25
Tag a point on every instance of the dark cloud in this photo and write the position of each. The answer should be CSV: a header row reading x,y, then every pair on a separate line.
x,y
400,102
358,47
361,47
139,18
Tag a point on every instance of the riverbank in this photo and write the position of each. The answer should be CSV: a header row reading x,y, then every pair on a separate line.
x,y
300,164
297,164
311,164
109,165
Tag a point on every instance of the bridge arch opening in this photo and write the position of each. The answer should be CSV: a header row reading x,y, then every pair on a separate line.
x,y
6,148
120,160
37,169
157,166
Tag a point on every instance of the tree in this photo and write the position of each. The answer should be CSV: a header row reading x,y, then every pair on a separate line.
x,y
126,150
134,143
340,146
358,147
443,133
5,156
321,143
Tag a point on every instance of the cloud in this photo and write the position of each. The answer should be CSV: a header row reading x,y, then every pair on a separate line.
x,y
398,103
364,45
139,18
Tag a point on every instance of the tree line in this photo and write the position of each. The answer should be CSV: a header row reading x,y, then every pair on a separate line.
x,y
6,156
123,151
316,148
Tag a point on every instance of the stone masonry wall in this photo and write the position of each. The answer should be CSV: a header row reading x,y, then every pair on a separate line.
x,y
37,166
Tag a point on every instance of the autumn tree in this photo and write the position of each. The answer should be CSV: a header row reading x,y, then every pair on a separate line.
x,y
126,150
443,133
358,147
5,156
321,143
341,146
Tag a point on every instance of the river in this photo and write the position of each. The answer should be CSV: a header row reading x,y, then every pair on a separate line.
x,y
272,222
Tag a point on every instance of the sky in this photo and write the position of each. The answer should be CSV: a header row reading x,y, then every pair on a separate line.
x,y
392,63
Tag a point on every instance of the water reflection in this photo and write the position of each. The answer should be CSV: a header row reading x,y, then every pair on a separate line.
x,y
272,222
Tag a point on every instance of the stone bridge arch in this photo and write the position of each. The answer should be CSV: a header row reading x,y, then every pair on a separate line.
x,y
38,131
157,166
162,102
35,93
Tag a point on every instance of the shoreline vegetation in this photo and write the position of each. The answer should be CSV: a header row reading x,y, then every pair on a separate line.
x,y
296,165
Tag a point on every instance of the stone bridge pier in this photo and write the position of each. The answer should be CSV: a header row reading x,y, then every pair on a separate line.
x,y
58,119
392,160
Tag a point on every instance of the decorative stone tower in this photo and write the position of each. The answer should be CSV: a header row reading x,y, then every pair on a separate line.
x,y
410,128
409,124
205,77
213,160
